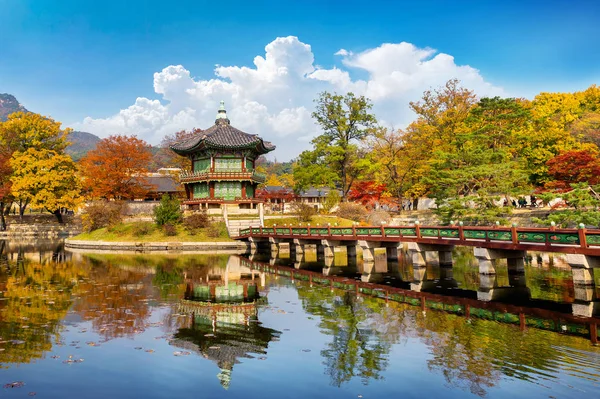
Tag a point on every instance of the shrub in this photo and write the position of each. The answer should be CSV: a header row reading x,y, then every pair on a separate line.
x,y
169,229
195,222
331,200
304,212
216,230
352,211
168,211
377,217
140,229
101,214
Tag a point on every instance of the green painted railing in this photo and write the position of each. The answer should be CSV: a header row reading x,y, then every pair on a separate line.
x,y
544,237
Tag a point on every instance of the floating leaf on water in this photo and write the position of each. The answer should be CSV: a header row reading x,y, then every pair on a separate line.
x,y
149,350
262,358
16,384
137,348
305,350
32,393
55,357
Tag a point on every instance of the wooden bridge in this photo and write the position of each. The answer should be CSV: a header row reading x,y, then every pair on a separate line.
x,y
572,241
435,244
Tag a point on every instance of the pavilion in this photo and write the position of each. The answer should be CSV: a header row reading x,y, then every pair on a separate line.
x,y
223,166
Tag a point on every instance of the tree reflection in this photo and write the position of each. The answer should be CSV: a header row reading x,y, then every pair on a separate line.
x,y
35,298
357,348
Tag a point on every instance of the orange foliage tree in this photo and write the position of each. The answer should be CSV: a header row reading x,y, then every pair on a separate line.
x,y
368,193
573,167
116,168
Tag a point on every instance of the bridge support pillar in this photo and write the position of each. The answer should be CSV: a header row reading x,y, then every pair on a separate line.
x,y
486,257
368,249
257,244
421,254
587,303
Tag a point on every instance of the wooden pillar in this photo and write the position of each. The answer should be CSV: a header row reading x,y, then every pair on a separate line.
x,y
243,189
211,188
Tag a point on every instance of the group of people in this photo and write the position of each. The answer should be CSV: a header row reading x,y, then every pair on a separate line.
x,y
522,202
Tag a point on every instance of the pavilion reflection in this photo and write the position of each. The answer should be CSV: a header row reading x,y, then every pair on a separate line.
x,y
224,326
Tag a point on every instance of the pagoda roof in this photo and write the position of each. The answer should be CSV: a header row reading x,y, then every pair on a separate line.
x,y
222,136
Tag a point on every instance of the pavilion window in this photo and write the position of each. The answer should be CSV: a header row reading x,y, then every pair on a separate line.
x,y
228,165
202,165
228,190
201,190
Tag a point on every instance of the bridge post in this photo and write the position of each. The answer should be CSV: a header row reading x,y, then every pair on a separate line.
x,y
368,248
486,257
420,257
586,302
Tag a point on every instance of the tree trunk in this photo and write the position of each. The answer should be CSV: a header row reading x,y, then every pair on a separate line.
x,y
2,216
22,207
415,204
58,215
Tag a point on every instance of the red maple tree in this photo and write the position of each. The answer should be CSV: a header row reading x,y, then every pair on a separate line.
x,y
367,192
573,167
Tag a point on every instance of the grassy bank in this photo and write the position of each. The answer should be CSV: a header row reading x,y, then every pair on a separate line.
x,y
148,232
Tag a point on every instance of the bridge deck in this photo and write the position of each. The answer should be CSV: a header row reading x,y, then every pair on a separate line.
x,y
575,241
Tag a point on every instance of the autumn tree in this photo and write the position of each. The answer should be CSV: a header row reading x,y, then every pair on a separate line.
x,y
19,133
367,192
116,168
45,179
336,160
574,167
6,197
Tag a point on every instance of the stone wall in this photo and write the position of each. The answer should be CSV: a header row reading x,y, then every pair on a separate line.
x,y
41,225
233,247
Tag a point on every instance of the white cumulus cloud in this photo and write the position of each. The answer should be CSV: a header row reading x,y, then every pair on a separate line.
x,y
274,98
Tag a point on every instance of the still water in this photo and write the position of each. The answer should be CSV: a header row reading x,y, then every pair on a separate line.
x,y
207,326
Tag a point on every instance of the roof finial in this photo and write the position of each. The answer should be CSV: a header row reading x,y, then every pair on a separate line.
x,y
222,114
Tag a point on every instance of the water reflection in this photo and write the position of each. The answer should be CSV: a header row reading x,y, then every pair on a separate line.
x,y
259,318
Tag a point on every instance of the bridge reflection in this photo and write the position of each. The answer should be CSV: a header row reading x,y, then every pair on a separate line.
x,y
451,281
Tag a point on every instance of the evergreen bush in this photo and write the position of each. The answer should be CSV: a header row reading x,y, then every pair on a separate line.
x,y
168,211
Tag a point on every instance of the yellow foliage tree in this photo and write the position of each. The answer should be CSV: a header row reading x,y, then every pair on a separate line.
x,y
46,179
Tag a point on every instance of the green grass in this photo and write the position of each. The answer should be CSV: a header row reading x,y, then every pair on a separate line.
x,y
126,232
318,220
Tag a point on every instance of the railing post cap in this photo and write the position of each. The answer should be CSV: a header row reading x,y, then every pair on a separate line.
x,y
460,223
581,226
553,223
497,223
452,222
416,222
514,224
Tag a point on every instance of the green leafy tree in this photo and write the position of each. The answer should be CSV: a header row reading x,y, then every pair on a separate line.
x,y
336,159
168,211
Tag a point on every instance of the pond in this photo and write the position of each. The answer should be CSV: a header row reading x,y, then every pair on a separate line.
x,y
164,326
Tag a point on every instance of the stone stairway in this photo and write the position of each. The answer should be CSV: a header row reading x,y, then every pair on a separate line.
x,y
235,225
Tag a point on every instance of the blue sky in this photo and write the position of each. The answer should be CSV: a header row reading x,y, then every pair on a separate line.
x,y
74,59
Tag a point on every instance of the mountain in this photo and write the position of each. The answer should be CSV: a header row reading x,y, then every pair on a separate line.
x,y
81,142
8,105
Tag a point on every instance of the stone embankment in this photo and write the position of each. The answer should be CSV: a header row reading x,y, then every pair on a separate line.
x,y
41,225
232,247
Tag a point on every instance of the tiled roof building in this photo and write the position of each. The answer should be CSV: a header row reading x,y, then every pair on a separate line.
x,y
222,170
